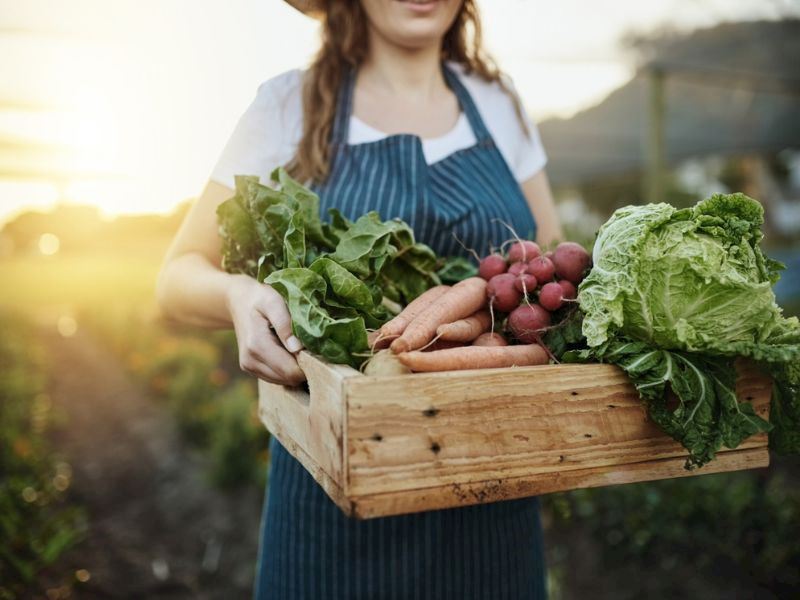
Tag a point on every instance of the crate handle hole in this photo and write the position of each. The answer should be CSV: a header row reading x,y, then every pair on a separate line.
x,y
301,393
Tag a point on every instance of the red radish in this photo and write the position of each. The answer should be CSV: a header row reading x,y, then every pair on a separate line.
x,y
551,296
502,294
571,261
549,254
526,283
523,251
518,268
490,339
527,320
542,268
570,293
492,265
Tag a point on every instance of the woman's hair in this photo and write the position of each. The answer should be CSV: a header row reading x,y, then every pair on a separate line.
x,y
345,45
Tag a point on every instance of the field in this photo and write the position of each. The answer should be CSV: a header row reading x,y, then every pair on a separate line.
x,y
156,419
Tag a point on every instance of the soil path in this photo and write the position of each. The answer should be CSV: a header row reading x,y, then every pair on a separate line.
x,y
156,526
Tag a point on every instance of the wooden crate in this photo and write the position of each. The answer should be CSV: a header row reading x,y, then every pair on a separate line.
x,y
391,445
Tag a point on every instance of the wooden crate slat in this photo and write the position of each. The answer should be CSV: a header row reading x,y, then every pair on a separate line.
x,y
392,445
439,497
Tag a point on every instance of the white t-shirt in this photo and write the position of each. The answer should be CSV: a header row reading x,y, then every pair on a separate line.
x,y
268,132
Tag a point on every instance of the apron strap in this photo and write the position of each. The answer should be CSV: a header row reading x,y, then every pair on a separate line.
x,y
344,106
467,105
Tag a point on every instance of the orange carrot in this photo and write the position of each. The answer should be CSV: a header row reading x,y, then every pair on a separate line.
x,y
460,301
475,357
466,330
490,339
396,326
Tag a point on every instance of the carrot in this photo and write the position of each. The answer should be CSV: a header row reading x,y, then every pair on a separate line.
x,y
490,339
466,330
460,301
396,326
475,357
443,345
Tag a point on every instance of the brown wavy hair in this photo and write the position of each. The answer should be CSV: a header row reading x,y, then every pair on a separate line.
x,y
345,45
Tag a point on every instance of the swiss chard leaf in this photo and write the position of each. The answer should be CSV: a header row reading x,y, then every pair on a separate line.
x,y
337,339
455,269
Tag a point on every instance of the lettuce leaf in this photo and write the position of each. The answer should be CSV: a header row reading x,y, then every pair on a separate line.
x,y
693,279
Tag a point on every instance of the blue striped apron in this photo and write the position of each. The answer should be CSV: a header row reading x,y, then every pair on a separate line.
x,y
309,550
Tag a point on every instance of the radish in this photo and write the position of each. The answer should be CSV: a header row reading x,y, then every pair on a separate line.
x,y
518,268
570,293
551,296
502,294
542,268
527,320
571,261
524,251
526,283
492,265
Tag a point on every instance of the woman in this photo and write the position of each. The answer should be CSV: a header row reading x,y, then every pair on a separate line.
x,y
401,112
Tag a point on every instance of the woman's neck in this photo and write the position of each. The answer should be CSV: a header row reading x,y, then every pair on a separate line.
x,y
411,73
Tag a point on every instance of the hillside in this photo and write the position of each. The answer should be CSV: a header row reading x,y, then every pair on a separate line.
x,y
730,89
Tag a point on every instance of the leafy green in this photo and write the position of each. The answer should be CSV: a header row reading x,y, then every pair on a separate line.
x,y
673,297
336,338
336,277
708,414
687,279
455,269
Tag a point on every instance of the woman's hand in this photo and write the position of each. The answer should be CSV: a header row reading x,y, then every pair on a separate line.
x,y
263,331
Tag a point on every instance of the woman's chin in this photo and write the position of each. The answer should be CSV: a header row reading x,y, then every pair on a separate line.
x,y
412,24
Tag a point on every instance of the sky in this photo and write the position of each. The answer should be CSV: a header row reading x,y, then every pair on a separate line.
x,y
127,104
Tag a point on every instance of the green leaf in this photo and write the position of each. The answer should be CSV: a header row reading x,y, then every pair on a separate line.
x,y
308,202
294,242
708,415
344,285
337,339
692,279
455,269
367,241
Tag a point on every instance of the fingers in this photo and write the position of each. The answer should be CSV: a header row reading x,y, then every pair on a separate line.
x,y
274,309
262,355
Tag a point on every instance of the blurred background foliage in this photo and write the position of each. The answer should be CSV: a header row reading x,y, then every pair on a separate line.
x,y
74,273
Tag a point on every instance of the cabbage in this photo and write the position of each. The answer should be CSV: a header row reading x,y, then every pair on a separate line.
x,y
693,279
673,298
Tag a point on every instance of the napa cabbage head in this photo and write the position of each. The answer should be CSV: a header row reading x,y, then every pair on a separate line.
x,y
682,279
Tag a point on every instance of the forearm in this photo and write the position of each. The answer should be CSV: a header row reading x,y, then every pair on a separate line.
x,y
190,289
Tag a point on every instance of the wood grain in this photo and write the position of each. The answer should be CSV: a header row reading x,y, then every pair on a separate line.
x,y
408,443
480,492
503,423
313,420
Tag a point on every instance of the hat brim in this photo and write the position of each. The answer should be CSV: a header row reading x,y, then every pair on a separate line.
x,y
312,8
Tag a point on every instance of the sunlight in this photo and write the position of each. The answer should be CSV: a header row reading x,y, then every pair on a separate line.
x,y
49,244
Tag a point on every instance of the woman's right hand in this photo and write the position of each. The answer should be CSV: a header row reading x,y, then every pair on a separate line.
x,y
263,329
